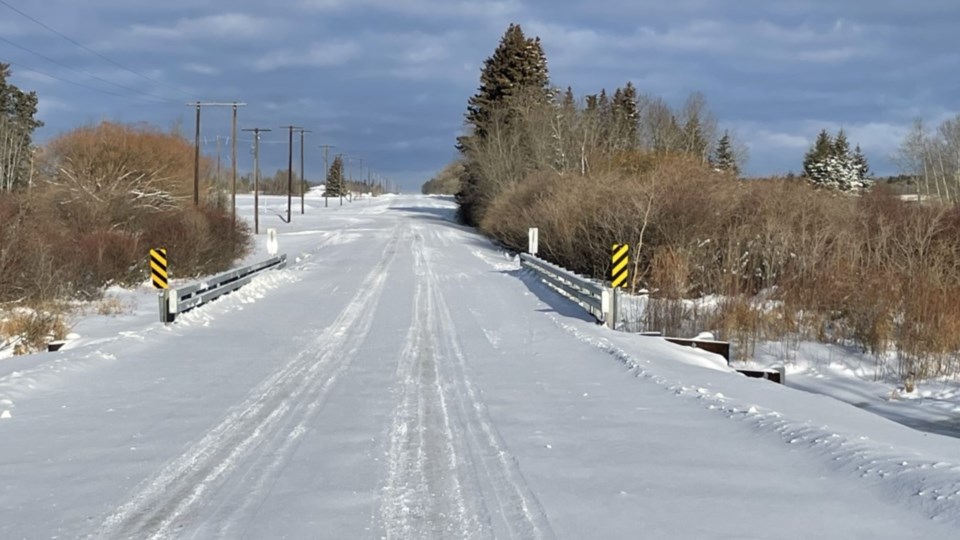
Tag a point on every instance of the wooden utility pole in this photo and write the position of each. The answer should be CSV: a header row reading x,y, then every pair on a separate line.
x,y
218,160
303,178
345,175
233,161
196,152
290,170
196,161
359,175
256,177
326,173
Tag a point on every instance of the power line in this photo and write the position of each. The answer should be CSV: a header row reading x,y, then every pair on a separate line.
x,y
81,85
196,155
91,51
85,73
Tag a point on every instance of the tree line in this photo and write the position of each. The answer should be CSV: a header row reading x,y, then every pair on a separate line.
x,y
826,257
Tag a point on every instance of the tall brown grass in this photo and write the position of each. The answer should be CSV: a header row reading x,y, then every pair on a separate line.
x,y
29,330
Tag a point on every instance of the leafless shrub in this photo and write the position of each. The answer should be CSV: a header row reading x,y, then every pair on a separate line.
x,y
109,194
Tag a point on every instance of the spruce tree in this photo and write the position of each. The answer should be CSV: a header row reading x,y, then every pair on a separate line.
x,y
626,117
845,175
518,65
592,102
860,161
841,146
821,150
830,164
723,158
569,101
335,180
603,101
517,68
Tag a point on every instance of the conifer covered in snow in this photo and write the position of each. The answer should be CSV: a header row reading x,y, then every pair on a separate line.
x,y
830,164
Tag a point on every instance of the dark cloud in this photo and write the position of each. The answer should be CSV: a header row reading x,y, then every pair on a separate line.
x,y
388,80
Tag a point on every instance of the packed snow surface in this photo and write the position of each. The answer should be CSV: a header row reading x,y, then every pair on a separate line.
x,y
403,378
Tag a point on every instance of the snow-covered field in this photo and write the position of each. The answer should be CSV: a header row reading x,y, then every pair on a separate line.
x,y
402,378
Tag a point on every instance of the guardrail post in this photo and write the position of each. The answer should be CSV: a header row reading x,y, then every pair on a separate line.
x,y
533,240
172,307
168,305
608,307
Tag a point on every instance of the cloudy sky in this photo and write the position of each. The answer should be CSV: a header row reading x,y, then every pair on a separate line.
x,y
388,80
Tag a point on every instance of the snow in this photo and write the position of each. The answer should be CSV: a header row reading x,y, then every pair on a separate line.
x,y
403,378
866,382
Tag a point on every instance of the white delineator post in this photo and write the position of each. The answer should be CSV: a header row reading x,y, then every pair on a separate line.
x,y
272,244
533,240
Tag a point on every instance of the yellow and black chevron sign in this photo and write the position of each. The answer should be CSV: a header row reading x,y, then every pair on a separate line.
x,y
620,260
158,267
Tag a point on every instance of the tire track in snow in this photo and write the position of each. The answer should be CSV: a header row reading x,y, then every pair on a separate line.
x,y
424,496
288,397
520,514
262,469
476,456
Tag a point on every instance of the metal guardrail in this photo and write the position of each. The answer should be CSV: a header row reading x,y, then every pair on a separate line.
x,y
592,296
176,301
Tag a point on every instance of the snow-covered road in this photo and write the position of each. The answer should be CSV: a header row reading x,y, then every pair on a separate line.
x,y
403,379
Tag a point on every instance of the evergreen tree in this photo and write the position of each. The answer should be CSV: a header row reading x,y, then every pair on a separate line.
x,y
569,101
604,114
723,158
335,181
830,164
860,161
626,117
517,68
18,110
822,149
846,174
603,101
841,147
518,65
593,102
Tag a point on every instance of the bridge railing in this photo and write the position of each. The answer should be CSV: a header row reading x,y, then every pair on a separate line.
x,y
592,296
176,301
